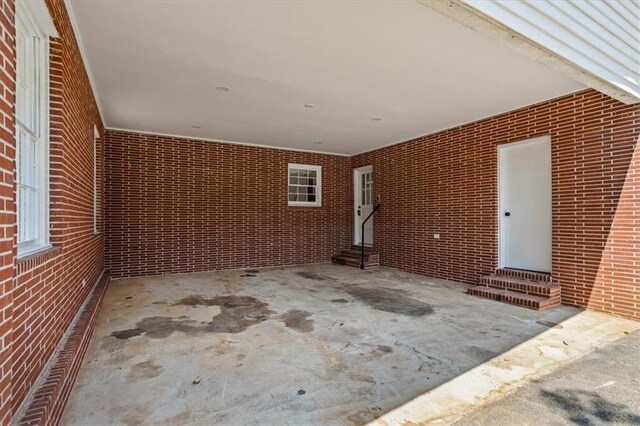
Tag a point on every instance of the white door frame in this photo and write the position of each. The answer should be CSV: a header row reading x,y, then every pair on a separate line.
x,y
356,219
501,232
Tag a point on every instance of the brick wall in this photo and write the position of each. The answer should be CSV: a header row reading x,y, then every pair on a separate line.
x,y
176,205
40,295
7,200
446,183
48,403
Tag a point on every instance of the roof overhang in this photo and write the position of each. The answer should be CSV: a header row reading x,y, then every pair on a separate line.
x,y
594,42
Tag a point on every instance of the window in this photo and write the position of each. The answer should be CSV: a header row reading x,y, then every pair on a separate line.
x,y
31,134
97,205
305,185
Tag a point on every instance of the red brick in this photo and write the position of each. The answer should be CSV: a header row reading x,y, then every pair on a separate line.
x,y
446,183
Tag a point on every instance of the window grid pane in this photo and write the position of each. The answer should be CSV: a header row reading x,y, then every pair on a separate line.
x,y
366,191
28,75
28,205
31,145
303,185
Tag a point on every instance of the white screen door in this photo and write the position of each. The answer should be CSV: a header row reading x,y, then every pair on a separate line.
x,y
525,204
363,204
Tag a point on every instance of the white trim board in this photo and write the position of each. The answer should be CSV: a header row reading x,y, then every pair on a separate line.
x,y
40,14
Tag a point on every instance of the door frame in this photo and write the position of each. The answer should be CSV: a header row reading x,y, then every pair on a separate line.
x,y
501,233
356,223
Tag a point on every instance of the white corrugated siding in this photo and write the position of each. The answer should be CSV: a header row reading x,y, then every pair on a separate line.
x,y
600,37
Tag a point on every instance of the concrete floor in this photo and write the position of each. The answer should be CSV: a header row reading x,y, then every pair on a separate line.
x,y
315,344
603,387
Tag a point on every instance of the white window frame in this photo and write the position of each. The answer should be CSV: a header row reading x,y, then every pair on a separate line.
x,y
30,21
318,170
96,196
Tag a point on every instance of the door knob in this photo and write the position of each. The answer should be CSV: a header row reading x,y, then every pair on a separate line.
x,y
507,214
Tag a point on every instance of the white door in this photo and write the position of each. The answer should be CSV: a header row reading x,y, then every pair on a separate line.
x,y
363,204
524,204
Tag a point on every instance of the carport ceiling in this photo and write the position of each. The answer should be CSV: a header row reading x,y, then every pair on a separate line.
x,y
341,77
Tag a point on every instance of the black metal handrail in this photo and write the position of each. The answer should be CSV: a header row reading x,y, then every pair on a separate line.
x,y
362,235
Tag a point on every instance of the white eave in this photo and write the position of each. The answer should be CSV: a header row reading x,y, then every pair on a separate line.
x,y
595,42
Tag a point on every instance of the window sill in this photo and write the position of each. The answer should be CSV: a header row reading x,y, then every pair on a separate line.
x,y
294,204
32,260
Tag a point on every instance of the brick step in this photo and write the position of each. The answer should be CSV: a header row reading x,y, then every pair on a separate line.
x,y
521,285
525,275
356,253
350,261
515,298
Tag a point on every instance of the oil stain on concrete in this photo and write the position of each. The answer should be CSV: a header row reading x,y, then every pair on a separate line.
x,y
390,300
364,416
128,333
237,312
384,349
144,370
549,324
236,315
482,354
313,276
298,320
161,327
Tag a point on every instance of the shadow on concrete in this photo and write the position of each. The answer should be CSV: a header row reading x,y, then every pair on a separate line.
x,y
590,408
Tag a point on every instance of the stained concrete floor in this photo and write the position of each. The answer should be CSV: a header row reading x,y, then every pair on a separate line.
x,y
315,344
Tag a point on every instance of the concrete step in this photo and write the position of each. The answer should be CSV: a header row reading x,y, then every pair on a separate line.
x,y
515,298
522,285
525,275
350,261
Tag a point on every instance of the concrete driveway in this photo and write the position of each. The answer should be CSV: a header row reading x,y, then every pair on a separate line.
x,y
603,387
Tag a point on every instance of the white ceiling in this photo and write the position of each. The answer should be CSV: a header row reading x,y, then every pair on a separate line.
x,y
156,66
